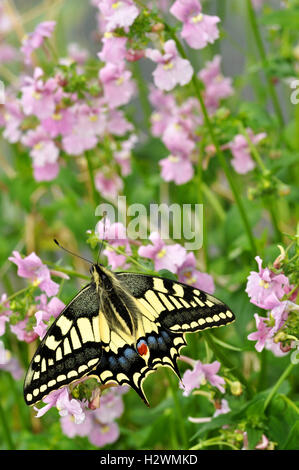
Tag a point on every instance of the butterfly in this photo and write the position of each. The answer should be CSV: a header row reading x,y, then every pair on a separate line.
x,y
119,328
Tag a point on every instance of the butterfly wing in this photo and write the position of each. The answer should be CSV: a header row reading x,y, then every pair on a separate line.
x,y
180,308
166,311
70,349
125,366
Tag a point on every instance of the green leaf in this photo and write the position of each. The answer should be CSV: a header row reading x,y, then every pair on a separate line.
x,y
167,274
254,436
292,440
288,18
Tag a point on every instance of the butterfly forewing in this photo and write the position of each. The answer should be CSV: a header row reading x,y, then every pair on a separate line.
x,y
70,349
179,308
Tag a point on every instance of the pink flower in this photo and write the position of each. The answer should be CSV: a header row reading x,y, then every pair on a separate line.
x,y
44,153
99,425
188,274
9,363
242,161
115,234
217,87
118,14
59,123
38,97
201,374
21,331
108,185
31,267
281,311
77,53
71,429
177,139
177,169
117,84
223,409
117,124
34,40
114,49
104,434
265,288
263,333
112,232
4,314
172,69
13,117
165,108
46,310
65,405
84,132
8,53
169,257
198,29
123,155
111,407
48,172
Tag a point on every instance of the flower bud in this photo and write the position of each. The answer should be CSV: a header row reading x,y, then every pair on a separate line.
x,y
236,388
158,27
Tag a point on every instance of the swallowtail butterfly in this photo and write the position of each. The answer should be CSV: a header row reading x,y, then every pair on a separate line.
x,y
119,328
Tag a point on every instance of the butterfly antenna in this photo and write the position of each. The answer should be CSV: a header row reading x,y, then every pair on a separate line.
x,y
102,244
70,252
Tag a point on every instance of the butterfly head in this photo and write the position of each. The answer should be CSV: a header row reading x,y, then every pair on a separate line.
x,y
101,276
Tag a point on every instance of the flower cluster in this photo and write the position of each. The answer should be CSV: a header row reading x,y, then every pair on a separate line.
x,y
272,292
178,125
31,323
170,257
94,419
69,112
175,258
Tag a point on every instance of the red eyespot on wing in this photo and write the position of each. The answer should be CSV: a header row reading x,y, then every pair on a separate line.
x,y
142,349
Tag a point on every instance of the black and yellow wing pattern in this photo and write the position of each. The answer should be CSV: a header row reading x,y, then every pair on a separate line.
x,y
119,329
167,311
69,350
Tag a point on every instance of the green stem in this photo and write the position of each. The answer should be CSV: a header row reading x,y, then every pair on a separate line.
x,y
274,389
226,362
69,272
214,202
23,410
178,411
129,258
201,201
263,56
213,442
6,430
12,296
91,177
262,379
225,167
143,93
265,172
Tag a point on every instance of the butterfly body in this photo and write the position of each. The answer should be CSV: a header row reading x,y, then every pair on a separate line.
x,y
120,328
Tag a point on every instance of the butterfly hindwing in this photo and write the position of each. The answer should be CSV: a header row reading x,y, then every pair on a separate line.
x,y
179,307
128,367
69,350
